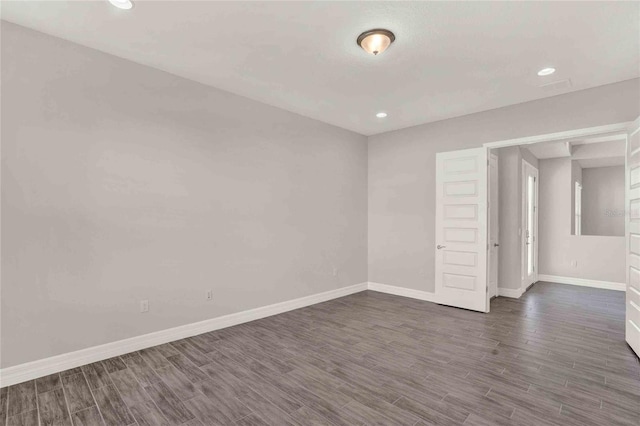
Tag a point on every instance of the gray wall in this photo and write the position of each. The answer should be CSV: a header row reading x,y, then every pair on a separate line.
x,y
596,257
509,187
122,182
603,201
402,170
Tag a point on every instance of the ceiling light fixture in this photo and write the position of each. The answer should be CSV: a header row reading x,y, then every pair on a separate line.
x,y
122,4
375,41
546,71
381,114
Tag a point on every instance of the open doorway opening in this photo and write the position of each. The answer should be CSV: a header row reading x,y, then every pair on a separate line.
x,y
561,214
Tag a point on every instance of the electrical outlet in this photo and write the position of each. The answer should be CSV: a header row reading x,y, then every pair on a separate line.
x,y
144,306
209,295
574,263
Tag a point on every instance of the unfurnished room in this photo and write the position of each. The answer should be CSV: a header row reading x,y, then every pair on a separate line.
x,y
246,213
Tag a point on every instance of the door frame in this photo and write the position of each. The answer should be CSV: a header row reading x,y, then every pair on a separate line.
x,y
491,211
524,283
605,130
557,136
614,128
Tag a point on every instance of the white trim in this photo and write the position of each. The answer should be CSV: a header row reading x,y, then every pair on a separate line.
x,y
576,133
402,291
607,285
42,367
493,210
514,293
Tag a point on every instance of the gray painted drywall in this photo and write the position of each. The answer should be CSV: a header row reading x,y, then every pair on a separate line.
x,y
528,157
402,170
603,201
121,182
509,183
598,258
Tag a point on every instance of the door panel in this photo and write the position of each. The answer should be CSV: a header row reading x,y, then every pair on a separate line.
x,y
632,323
461,229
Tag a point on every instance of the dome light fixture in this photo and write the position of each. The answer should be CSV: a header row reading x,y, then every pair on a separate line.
x,y
381,114
122,4
546,71
375,41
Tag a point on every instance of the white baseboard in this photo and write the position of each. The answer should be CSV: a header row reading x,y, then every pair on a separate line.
x,y
607,285
401,291
32,370
42,367
514,293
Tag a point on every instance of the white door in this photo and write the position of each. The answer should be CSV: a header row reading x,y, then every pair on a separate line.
x,y
529,225
461,229
494,226
632,323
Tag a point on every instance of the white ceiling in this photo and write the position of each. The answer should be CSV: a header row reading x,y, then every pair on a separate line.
x,y
599,151
588,163
555,149
449,58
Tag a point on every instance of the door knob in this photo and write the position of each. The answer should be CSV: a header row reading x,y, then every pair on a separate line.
x,y
496,245
441,247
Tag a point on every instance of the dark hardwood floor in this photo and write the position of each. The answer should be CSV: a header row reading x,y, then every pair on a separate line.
x,y
556,356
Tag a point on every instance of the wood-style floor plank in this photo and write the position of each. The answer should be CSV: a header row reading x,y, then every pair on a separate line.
x,y
48,383
21,398
112,407
131,391
556,356
89,417
53,409
168,403
148,415
143,372
3,406
96,375
26,418
77,391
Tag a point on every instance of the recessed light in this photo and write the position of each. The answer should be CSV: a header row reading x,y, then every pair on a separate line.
x,y
381,114
122,4
375,41
546,71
